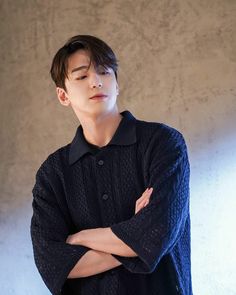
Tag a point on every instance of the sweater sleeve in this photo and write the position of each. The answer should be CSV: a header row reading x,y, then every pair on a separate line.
x,y
155,229
50,227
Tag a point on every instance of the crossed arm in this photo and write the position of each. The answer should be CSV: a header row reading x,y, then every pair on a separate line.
x,y
102,242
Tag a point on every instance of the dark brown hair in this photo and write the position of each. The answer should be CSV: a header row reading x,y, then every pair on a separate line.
x,y
100,55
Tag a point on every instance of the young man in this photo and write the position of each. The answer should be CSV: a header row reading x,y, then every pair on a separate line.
x,y
110,209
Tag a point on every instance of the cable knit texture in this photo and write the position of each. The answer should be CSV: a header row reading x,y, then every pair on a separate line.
x,y
81,186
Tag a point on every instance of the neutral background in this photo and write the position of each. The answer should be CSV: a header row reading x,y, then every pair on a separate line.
x,y
177,66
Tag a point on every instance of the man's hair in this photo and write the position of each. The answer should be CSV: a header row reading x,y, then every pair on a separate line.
x,y
100,55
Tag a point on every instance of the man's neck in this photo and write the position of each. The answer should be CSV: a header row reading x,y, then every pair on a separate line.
x,y
99,131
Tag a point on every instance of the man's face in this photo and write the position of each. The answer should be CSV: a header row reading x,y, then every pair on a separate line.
x,y
84,82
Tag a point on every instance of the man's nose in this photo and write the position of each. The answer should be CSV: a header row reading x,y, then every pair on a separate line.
x,y
96,81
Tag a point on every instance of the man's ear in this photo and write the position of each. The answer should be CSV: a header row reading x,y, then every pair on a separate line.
x,y
62,96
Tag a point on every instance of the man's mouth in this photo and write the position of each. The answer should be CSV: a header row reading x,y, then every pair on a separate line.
x,y
98,96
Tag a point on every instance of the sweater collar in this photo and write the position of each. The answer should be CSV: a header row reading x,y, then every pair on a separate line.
x,y
125,134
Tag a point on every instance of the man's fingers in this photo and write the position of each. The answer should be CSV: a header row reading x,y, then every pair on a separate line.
x,y
68,240
146,194
144,203
143,200
140,206
139,202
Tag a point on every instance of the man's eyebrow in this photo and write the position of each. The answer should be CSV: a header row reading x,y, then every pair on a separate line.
x,y
79,69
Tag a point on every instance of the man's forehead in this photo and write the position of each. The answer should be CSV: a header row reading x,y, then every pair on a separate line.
x,y
78,58
81,61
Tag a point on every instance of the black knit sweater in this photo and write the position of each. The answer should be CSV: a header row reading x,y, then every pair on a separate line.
x,y
80,187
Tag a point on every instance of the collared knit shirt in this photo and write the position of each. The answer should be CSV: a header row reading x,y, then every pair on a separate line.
x,y
81,186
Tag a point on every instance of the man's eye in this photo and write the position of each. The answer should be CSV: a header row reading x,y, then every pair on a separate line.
x,y
105,72
81,78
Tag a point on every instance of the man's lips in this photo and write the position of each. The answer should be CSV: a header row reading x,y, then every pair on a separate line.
x,y
98,96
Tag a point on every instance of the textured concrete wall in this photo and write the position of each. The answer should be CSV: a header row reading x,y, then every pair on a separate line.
x,y
177,66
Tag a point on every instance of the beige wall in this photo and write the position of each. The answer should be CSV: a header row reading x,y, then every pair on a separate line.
x,y
177,66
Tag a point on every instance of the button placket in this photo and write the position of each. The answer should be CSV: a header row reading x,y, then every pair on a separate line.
x,y
104,196
104,188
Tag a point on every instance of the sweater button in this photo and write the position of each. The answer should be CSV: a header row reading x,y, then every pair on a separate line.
x,y
105,197
100,162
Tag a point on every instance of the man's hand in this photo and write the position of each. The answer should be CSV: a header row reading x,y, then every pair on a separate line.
x,y
143,200
103,239
73,239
